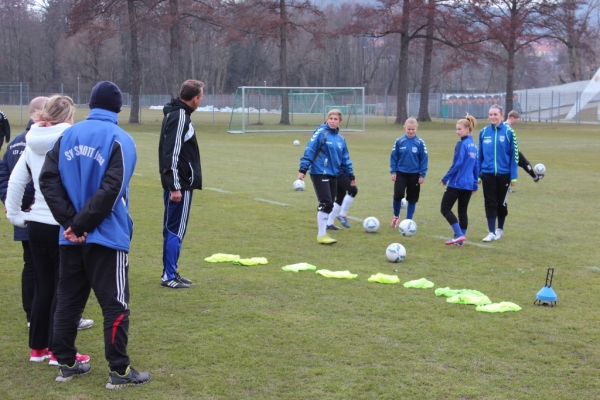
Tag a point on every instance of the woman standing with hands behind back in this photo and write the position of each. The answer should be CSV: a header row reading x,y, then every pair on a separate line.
x,y
498,160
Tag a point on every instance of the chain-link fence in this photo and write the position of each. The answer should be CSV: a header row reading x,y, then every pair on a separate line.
x,y
536,105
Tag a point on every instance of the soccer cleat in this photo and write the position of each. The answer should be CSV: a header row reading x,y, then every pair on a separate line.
x,y
459,244
82,358
66,373
183,280
498,233
538,178
456,240
174,284
333,227
344,221
490,237
326,239
131,377
395,222
85,323
39,355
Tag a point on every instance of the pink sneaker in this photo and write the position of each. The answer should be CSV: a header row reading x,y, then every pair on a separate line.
x,y
456,240
39,355
82,358
395,222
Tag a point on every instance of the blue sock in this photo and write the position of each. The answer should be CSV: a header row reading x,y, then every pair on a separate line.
x,y
397,205
464,232
501,223
456,228
492,224
410,210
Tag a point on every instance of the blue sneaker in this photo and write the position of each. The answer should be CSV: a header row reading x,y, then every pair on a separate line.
x,y
332,227
343,221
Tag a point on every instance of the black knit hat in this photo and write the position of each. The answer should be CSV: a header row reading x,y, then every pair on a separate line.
x,y
106,95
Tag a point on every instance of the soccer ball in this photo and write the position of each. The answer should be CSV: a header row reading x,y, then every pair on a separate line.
x,y
403,203
539,169
408,227
298,185
395,252
296,143
371,224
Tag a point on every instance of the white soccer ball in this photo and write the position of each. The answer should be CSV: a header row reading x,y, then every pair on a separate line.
x,y
403,203
296,143
395,252
371,224
407,227
298,185
539,169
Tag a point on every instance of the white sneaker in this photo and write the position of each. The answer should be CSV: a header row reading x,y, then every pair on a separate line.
x,y
85,323
490,237
499,233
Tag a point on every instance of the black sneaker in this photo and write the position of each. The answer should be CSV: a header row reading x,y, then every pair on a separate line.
x,y
131,377
183,280
66,373
333,228
538,178
174,284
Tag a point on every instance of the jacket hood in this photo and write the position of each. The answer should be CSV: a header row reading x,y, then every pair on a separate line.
x,y
176,104
40,139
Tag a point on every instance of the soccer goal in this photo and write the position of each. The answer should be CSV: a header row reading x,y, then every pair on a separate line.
x,y
295,109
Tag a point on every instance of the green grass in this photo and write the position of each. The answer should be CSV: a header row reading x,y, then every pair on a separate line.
x,y
261,333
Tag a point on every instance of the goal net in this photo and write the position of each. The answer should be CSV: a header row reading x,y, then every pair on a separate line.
x,y
295,109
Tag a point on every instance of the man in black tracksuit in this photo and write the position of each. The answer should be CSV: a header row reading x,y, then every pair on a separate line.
x,y
180,174
4,129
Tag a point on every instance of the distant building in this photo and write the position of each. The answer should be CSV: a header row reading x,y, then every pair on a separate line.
x,y
547,50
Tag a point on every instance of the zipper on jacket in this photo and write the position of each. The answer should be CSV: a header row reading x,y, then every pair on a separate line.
x,y
495,143
191,169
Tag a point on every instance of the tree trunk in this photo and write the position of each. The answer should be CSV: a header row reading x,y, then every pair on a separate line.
x,y
285,101
175,48
134,115
427,55
401,109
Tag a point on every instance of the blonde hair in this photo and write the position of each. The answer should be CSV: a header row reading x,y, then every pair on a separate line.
x,y
56,110
411,121
498,107
513,114
468,122
335,111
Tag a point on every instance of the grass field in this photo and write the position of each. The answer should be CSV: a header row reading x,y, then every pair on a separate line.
x,y
261,333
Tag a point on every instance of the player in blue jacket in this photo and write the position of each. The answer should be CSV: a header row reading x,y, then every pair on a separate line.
x,y
85,182
326,157
498,160
408,167
460,180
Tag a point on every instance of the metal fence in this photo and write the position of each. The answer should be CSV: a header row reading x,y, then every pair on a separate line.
x,y
536,105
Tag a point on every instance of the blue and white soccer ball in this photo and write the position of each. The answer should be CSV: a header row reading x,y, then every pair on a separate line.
x,y
407,227
539,169
371,224
298,185
395,253
296,143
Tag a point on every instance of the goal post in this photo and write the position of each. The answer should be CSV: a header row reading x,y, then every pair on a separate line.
x,y
261,108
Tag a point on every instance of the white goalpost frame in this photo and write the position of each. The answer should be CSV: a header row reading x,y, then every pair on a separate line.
x,y
360,88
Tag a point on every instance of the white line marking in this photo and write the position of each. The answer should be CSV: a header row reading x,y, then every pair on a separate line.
x,y
272,202
216,190
576,163
355,219
487,246
593,268
136,174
